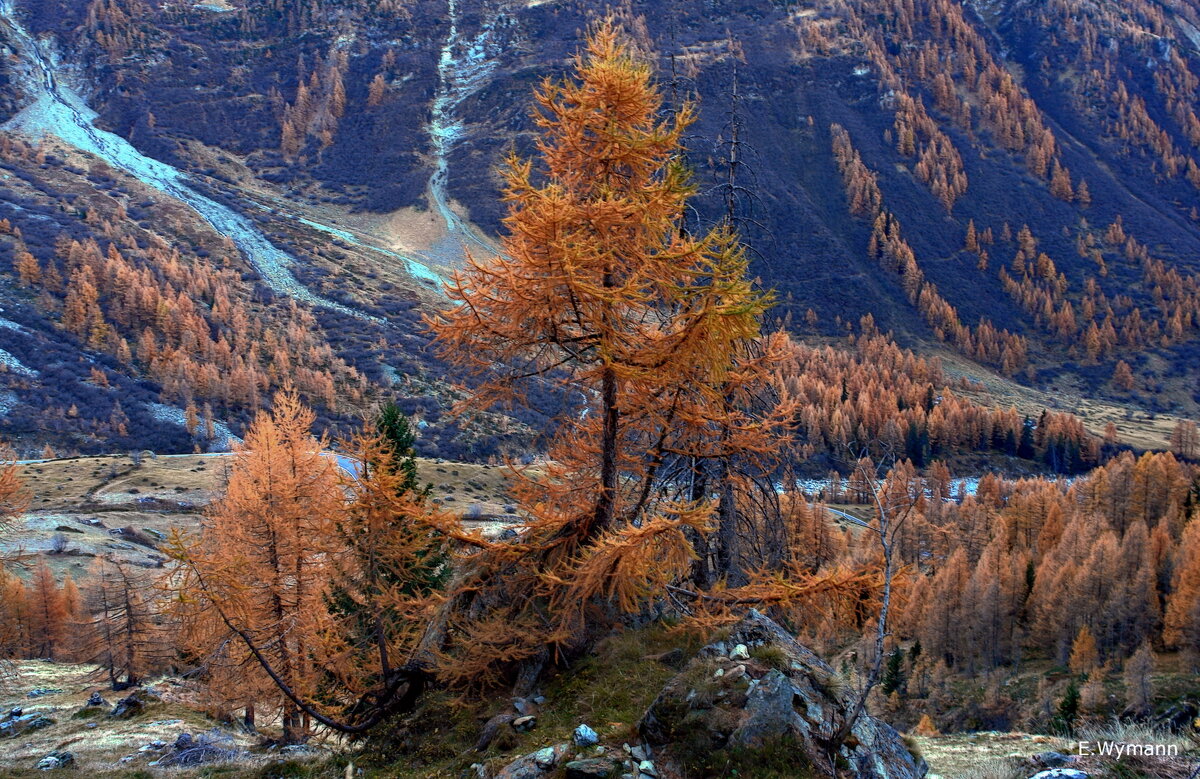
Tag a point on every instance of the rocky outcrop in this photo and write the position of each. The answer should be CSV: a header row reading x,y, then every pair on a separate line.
x,y
133,704
55,761
18,723
537,764
760,689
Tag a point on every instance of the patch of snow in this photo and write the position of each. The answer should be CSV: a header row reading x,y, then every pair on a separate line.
x,y
14,365
1190,31
8,324
223,439
8,401
415,267
465,66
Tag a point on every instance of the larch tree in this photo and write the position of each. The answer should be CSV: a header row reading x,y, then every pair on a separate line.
x,y
14,497
601,288
253,584
1139,687
1122,377
386,579
1084,655
47,614
119,634
1185,439
305,594
1181,626
14,619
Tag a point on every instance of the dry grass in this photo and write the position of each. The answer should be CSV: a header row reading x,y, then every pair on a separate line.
x,y
1135,426
83,500
98,742
985,755
1178,766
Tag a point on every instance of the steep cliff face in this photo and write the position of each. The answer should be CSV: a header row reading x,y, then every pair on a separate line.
x,y
887,153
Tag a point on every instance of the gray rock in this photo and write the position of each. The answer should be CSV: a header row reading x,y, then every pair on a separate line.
x,y
1051,759
298,749
585,736
1061,773
15,712
546,758
591,768
96,699
524,724
739,652
56,760
37,722
768,712
41,691
647,768
525,708
535,765
134,703
640,753
801,704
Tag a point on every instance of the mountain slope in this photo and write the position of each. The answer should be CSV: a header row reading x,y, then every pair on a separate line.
x,y
889,155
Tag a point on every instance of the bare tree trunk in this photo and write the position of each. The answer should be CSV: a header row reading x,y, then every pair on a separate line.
x,y
891,519
607,499
729,556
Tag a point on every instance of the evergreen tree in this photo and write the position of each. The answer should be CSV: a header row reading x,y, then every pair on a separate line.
x,y
893,673
400,440
1025,449
1068,710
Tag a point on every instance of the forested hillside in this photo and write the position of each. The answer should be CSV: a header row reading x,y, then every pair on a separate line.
x,y
1017,181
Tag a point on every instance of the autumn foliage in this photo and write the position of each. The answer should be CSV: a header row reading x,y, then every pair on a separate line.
x,y
601,288
301,594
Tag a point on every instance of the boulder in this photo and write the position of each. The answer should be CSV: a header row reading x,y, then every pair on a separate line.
x,y
535,765
96,699
592,768
1051,759
585,736
524,724
42,691
22,723
56,760
788,696
133,704
36,722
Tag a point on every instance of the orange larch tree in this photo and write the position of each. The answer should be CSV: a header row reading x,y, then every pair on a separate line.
x,y
119,632
302,595
47,614
1182,619
253,584
601,288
